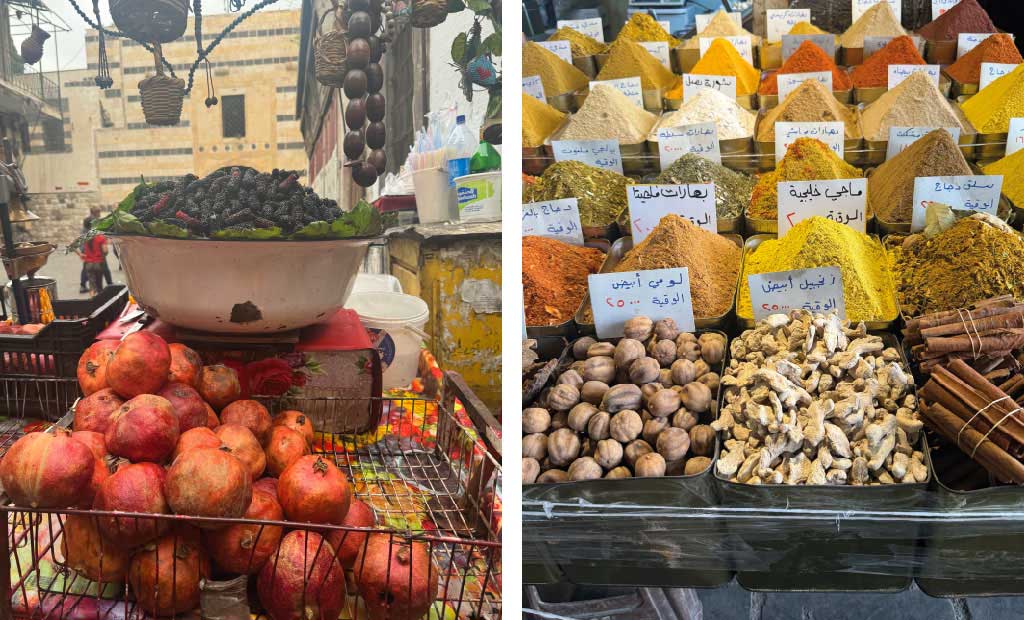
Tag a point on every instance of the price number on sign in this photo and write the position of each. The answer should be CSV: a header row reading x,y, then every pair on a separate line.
x,y
657,294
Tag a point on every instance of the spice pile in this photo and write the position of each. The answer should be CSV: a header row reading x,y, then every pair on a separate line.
x,y
607,114
643,27
711,106
1012,169
878,21
557,76
732,189
629,59
555,278
808,58
966,17
818,242
579,43
992,108
996,48
891,185
539,121
600,193
723,59
914,102
806,159
721,25
874,72
810,102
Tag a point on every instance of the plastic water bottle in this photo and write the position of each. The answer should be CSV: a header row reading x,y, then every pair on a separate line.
x,y
459,148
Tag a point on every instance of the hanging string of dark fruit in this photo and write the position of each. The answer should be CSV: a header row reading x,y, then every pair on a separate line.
x,y
364,79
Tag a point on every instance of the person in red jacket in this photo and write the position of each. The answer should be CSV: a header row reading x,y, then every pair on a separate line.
x,y
94,257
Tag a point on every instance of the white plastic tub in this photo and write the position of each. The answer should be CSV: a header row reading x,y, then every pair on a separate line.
x,y
479,196
435,198
395,322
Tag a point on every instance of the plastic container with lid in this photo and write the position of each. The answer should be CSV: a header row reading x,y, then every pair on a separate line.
x,y
395,322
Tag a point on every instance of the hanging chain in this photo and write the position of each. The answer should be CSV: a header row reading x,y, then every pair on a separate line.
x,y
115,34
220,37
103,79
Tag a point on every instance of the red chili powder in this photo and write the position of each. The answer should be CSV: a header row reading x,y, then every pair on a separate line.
x,y
997,48
875,70
555,278
967,16
808,58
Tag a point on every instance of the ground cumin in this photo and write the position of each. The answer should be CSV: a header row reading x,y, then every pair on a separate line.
x,y
810,102
539,121
874,72
806,159
996,48
808,58
891,185
914,102
629,59
557,76
555,278
643,27
579,43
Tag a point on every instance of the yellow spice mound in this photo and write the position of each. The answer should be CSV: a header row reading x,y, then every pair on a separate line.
x,y
539,121
723,59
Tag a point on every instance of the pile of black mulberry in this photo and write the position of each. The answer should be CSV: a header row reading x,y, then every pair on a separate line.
x,y
234,199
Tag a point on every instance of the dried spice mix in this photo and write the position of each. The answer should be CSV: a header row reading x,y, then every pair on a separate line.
x,y
808,58
996,48
601,194
966,16
878,21
721,25
579,43
732,189
630,59
806,159
555,278
992,108
643,27
539,121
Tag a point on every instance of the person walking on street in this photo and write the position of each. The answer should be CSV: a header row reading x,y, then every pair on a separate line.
x,y
94,258
94,214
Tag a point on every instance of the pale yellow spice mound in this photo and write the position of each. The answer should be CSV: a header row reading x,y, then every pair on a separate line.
x,y
607,114
721,25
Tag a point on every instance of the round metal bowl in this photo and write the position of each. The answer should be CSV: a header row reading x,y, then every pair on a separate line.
x,y
240,287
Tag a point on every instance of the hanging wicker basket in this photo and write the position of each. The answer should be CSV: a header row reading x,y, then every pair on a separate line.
x,y
428,13
329,52
162,99
161,21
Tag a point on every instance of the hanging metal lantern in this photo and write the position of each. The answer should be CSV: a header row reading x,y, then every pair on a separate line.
x,y
160,21
32,47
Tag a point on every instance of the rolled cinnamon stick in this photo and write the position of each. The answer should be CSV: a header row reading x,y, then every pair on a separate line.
x,y
971,442
982,308
1000,318
1003,339
965,409
1014,426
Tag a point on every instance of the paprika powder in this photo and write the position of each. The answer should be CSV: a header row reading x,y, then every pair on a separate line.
x,y
808,58
874,72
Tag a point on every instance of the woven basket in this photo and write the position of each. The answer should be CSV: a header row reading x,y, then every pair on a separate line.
x,y
162,98
329,52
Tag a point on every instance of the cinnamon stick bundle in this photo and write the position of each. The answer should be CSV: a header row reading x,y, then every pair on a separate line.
x,y
948,425
980,309
993,340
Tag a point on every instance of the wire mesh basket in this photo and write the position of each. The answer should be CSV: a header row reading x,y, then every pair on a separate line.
x,y
431,480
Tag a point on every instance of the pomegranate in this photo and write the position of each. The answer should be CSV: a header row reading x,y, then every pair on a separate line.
x,y
88,554
100,472
284,447
314,490
188,405
185,365
208,482
147,400
302,581
92,413
244,446
139,365
297,421
142,434
219,386
248,413
348,544
132,488
395,578
212,421
92,366
244,549
47,470
201,437
165,575
267,485
94,441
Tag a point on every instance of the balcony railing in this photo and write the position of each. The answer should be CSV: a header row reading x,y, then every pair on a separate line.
x,y
38,85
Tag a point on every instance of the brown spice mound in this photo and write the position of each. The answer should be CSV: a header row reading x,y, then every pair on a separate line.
x,y
810,102
555,278
891,185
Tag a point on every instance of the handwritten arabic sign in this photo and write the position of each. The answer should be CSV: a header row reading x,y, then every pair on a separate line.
x,y
703,19
649,203
600,153
902,137
816,290
658,49
1015,137
992,71
591,27
630,87
833,134
693,84
562,49
964,193
781,21
657,294
840,200
700,139
966,41
558,219
941,6
740,42
533,87
898,73
861,6
790,43
788,82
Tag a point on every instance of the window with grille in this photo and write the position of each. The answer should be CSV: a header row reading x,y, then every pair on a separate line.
x,y
232,112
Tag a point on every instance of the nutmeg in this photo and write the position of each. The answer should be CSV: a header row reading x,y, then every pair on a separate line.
x,y
712,348
666,329
696,397
585,468
598,426
579,416
663,403
593,391
664,352
553,476
696,465
675,468
608,453
571,377
531,469
625,426
635,449
626,351
535,446
712,380
644,370
563,397
619,472
536,420
579,348
702,440
673,444
638,328
651,465
688,350
684,419
683,371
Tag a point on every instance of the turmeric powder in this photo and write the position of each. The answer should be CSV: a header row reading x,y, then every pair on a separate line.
x,y
557,76
539,121
643,27
579,43
723,59
629,59
992,108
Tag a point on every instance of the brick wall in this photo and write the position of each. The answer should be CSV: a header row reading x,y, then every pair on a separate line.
x,y
60,216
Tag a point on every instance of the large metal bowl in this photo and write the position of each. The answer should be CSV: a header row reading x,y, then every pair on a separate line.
x,y
240,287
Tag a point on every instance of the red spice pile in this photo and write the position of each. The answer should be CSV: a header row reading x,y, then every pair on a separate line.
x,y
555,278
997,48
967,16
808,58
875,70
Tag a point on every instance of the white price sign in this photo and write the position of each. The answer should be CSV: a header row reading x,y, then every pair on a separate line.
x,y
658,49
862,6
558,219
630,87
969,192
533,87
941,6
703,19
902,137
562,49
1015,137
649,203
788,82
898,73
741,43
693,83
992,71
657,294
699,139
966,41
592,27
816,290
598,153
781,21
833,134
840,200
792,42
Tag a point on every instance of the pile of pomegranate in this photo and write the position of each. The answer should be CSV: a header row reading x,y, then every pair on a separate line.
x,y
158,432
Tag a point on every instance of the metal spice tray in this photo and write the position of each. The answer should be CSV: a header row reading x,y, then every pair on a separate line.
x,y
567,329
766,149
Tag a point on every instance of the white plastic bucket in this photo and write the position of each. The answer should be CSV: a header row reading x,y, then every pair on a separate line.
x,y
435,198
395,322
479,196
376,283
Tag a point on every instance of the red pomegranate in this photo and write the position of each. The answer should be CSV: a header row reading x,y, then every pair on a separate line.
x,y
244,549
267,485
302,581
219,386
208,482
147,400
212,421
248,413
92,413
189,407
244,447
92,366
185,365
297,421
132,488
47,470
94,440
165,575
139,365
314,490
100,472
88,554
201,437
143,434
348,544
395,578
284,447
